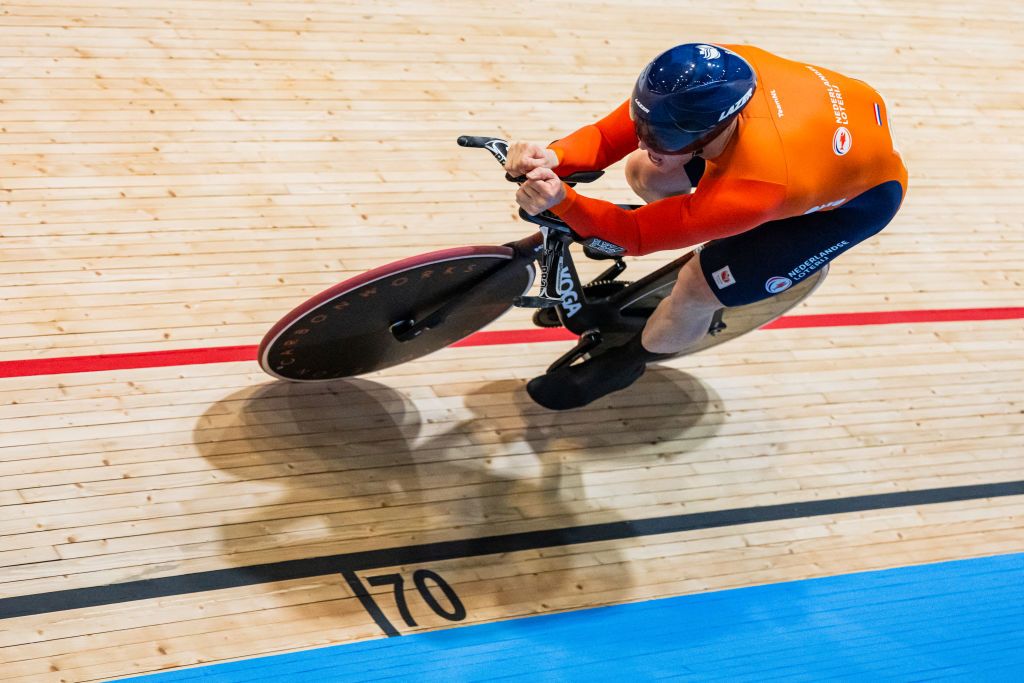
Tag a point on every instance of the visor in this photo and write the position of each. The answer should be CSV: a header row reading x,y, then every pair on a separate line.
x,y
667,137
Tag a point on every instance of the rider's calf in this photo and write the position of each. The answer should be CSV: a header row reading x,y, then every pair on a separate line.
x,y
684,316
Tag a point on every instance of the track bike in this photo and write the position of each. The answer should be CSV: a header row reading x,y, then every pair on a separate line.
x,y
407,309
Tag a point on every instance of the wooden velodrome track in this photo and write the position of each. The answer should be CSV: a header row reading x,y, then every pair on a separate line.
x,y
175,176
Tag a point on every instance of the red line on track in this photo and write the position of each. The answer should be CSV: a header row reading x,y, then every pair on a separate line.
x,y
125,361
228,354
894,317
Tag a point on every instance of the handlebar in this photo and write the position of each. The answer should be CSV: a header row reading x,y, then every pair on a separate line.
x,y
499,150
476,141
553,227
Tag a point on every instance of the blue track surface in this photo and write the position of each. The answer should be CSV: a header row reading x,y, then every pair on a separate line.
x,y
962,620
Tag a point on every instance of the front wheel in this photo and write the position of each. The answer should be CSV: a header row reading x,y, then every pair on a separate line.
x,y
357,326
739,320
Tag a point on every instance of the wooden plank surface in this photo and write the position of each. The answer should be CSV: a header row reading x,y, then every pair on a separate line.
x,y
177,177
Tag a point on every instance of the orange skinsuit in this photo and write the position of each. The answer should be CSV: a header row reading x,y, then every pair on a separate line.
x,y
788,157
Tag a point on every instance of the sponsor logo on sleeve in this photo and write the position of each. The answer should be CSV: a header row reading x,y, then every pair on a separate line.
x,y
842,141
778,284
723,277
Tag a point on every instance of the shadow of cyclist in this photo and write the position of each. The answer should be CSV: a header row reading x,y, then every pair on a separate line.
x,y
609,448
299,460
314,470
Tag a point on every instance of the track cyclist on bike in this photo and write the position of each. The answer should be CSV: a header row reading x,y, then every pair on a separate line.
x,y
780,166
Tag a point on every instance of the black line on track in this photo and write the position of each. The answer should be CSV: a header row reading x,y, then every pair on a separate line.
x,y
349,563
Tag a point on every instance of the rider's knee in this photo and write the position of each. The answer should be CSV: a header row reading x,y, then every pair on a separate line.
x,y
691,289
651,182
636,175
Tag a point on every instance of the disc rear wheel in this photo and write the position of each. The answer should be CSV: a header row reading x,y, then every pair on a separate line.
x,y
355,327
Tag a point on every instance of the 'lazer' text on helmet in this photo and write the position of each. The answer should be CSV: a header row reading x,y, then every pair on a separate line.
x,y
739,105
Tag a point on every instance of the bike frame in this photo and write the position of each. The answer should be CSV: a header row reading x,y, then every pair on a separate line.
x,y
593,319
561,286
603,313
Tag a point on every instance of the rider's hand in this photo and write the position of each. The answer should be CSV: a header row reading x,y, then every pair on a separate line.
x,y
542,190
523,157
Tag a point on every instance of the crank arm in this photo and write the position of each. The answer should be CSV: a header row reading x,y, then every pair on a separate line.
x,y
589,341
536,302
613,272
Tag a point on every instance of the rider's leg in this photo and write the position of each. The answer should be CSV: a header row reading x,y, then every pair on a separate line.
x,y
681,319
741,270
684,316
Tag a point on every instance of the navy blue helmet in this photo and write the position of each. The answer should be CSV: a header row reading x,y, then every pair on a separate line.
x,y
688,95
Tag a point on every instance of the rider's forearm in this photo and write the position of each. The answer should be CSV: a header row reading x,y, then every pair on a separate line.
x,y
597,145
591,217
675,222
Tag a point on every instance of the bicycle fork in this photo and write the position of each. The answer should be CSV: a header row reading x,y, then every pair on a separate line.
x,y
561,287
559,283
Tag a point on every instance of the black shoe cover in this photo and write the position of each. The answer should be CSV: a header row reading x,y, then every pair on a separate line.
x,y
577,385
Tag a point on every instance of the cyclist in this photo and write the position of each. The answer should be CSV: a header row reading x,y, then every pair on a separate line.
x,y
779,166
